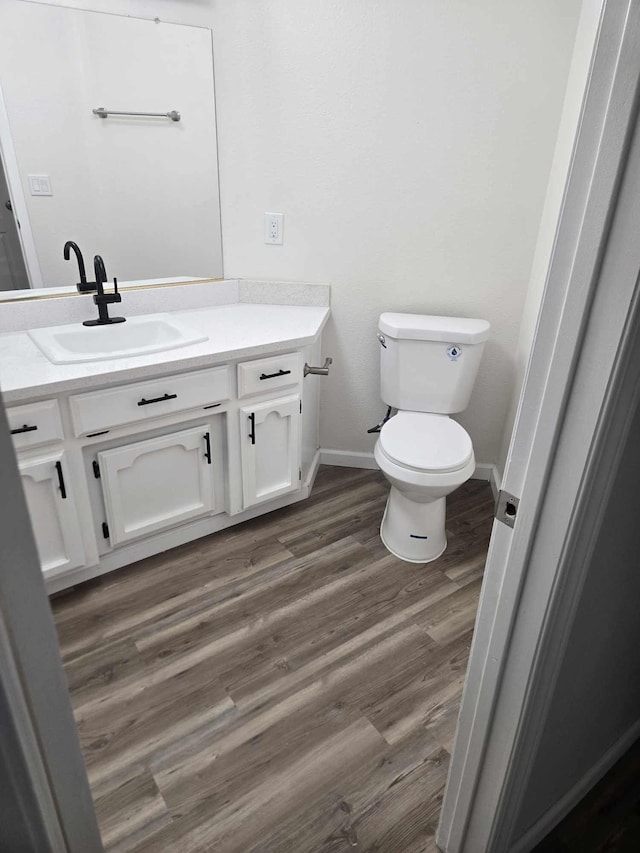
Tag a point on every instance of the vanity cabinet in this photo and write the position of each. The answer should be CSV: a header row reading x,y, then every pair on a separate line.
x,y
52,507
150,485
270,449
129,470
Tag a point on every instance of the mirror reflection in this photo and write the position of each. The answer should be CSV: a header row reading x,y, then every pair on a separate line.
x,y
108,139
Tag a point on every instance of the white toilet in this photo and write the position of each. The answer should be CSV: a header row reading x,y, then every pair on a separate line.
x,y
428,366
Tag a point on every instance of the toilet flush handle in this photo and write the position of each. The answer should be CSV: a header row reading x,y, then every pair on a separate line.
x,y
382,340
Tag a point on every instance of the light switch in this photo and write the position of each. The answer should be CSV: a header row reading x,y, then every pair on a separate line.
x,y
40,184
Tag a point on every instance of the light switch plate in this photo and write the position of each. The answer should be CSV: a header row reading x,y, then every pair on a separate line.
x,y
40,184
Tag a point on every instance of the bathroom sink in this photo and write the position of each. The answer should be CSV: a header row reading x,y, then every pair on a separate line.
x,y
138,336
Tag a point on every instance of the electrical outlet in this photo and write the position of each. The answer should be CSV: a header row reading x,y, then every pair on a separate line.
x,y
273,228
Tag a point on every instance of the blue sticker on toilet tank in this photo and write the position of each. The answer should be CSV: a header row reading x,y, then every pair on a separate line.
x,y
454,352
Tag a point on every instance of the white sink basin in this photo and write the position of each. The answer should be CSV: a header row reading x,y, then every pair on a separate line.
x,y
138,336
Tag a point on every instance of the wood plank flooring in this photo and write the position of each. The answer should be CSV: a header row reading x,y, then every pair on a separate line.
x,y
283,685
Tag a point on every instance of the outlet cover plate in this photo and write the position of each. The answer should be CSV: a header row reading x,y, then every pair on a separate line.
x,y
274,228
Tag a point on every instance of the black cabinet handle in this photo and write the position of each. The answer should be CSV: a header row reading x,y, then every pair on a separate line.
x,y
207,453
63,491
164,397
273,375
252,434
23,428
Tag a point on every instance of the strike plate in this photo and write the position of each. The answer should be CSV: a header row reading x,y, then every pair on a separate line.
x,y
507,508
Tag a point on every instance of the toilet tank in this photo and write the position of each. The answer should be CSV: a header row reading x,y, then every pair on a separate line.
x,y
428,363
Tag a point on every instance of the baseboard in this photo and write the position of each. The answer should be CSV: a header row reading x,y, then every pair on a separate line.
x,y
349,459
582,787
489,472
311,474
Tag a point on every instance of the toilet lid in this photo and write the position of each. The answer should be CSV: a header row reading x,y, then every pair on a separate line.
x,y
426,442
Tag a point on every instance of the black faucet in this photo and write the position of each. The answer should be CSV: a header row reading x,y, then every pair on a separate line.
x,y
100,273
103,299
83,285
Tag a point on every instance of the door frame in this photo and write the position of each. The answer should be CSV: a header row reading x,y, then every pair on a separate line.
x,y
556,455
18,199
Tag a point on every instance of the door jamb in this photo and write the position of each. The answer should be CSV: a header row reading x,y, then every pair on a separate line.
x,y
18,199
475,786
44,756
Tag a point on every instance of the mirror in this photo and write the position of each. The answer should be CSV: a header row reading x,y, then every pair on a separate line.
x,y
139,190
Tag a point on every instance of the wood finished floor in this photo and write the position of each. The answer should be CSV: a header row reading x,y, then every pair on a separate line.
x,y
283,685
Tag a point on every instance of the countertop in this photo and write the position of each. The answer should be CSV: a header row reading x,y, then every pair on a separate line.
x,y
235,331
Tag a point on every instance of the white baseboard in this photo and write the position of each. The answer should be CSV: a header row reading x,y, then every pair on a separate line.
x,y
561,809
348,459
488,471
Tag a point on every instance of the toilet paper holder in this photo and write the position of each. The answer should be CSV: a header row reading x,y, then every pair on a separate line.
x,y
318,371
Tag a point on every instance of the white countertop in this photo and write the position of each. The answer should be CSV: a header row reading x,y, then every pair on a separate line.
x,y
235,331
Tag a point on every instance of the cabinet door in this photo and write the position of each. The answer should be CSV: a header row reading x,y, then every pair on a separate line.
x,y
270,445
52,508
158,483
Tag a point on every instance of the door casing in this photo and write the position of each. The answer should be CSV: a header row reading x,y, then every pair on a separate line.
x,y
586,323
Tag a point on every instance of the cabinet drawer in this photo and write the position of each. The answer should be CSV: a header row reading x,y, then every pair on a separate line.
x,y
268,374
35,424
101,410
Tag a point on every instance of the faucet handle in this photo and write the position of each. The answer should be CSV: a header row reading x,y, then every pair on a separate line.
x,y
108,297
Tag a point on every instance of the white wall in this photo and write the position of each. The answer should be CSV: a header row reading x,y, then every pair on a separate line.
x,y
577,80
408,144
141,192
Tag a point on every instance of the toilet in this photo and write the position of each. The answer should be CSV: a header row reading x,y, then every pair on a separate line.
x,y
428,366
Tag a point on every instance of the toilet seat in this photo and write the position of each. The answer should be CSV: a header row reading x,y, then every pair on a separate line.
x,y
426,443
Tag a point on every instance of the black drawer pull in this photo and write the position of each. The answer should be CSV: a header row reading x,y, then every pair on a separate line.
x,y
24,428
252,434
164,397
63,491
207,453
273,375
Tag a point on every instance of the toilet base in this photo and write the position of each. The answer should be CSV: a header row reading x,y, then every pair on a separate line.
x,y
414,531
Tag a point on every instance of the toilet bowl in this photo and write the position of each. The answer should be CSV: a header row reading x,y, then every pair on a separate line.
x,y
424,457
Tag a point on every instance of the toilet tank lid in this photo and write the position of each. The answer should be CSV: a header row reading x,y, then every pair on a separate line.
x,y
427,327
